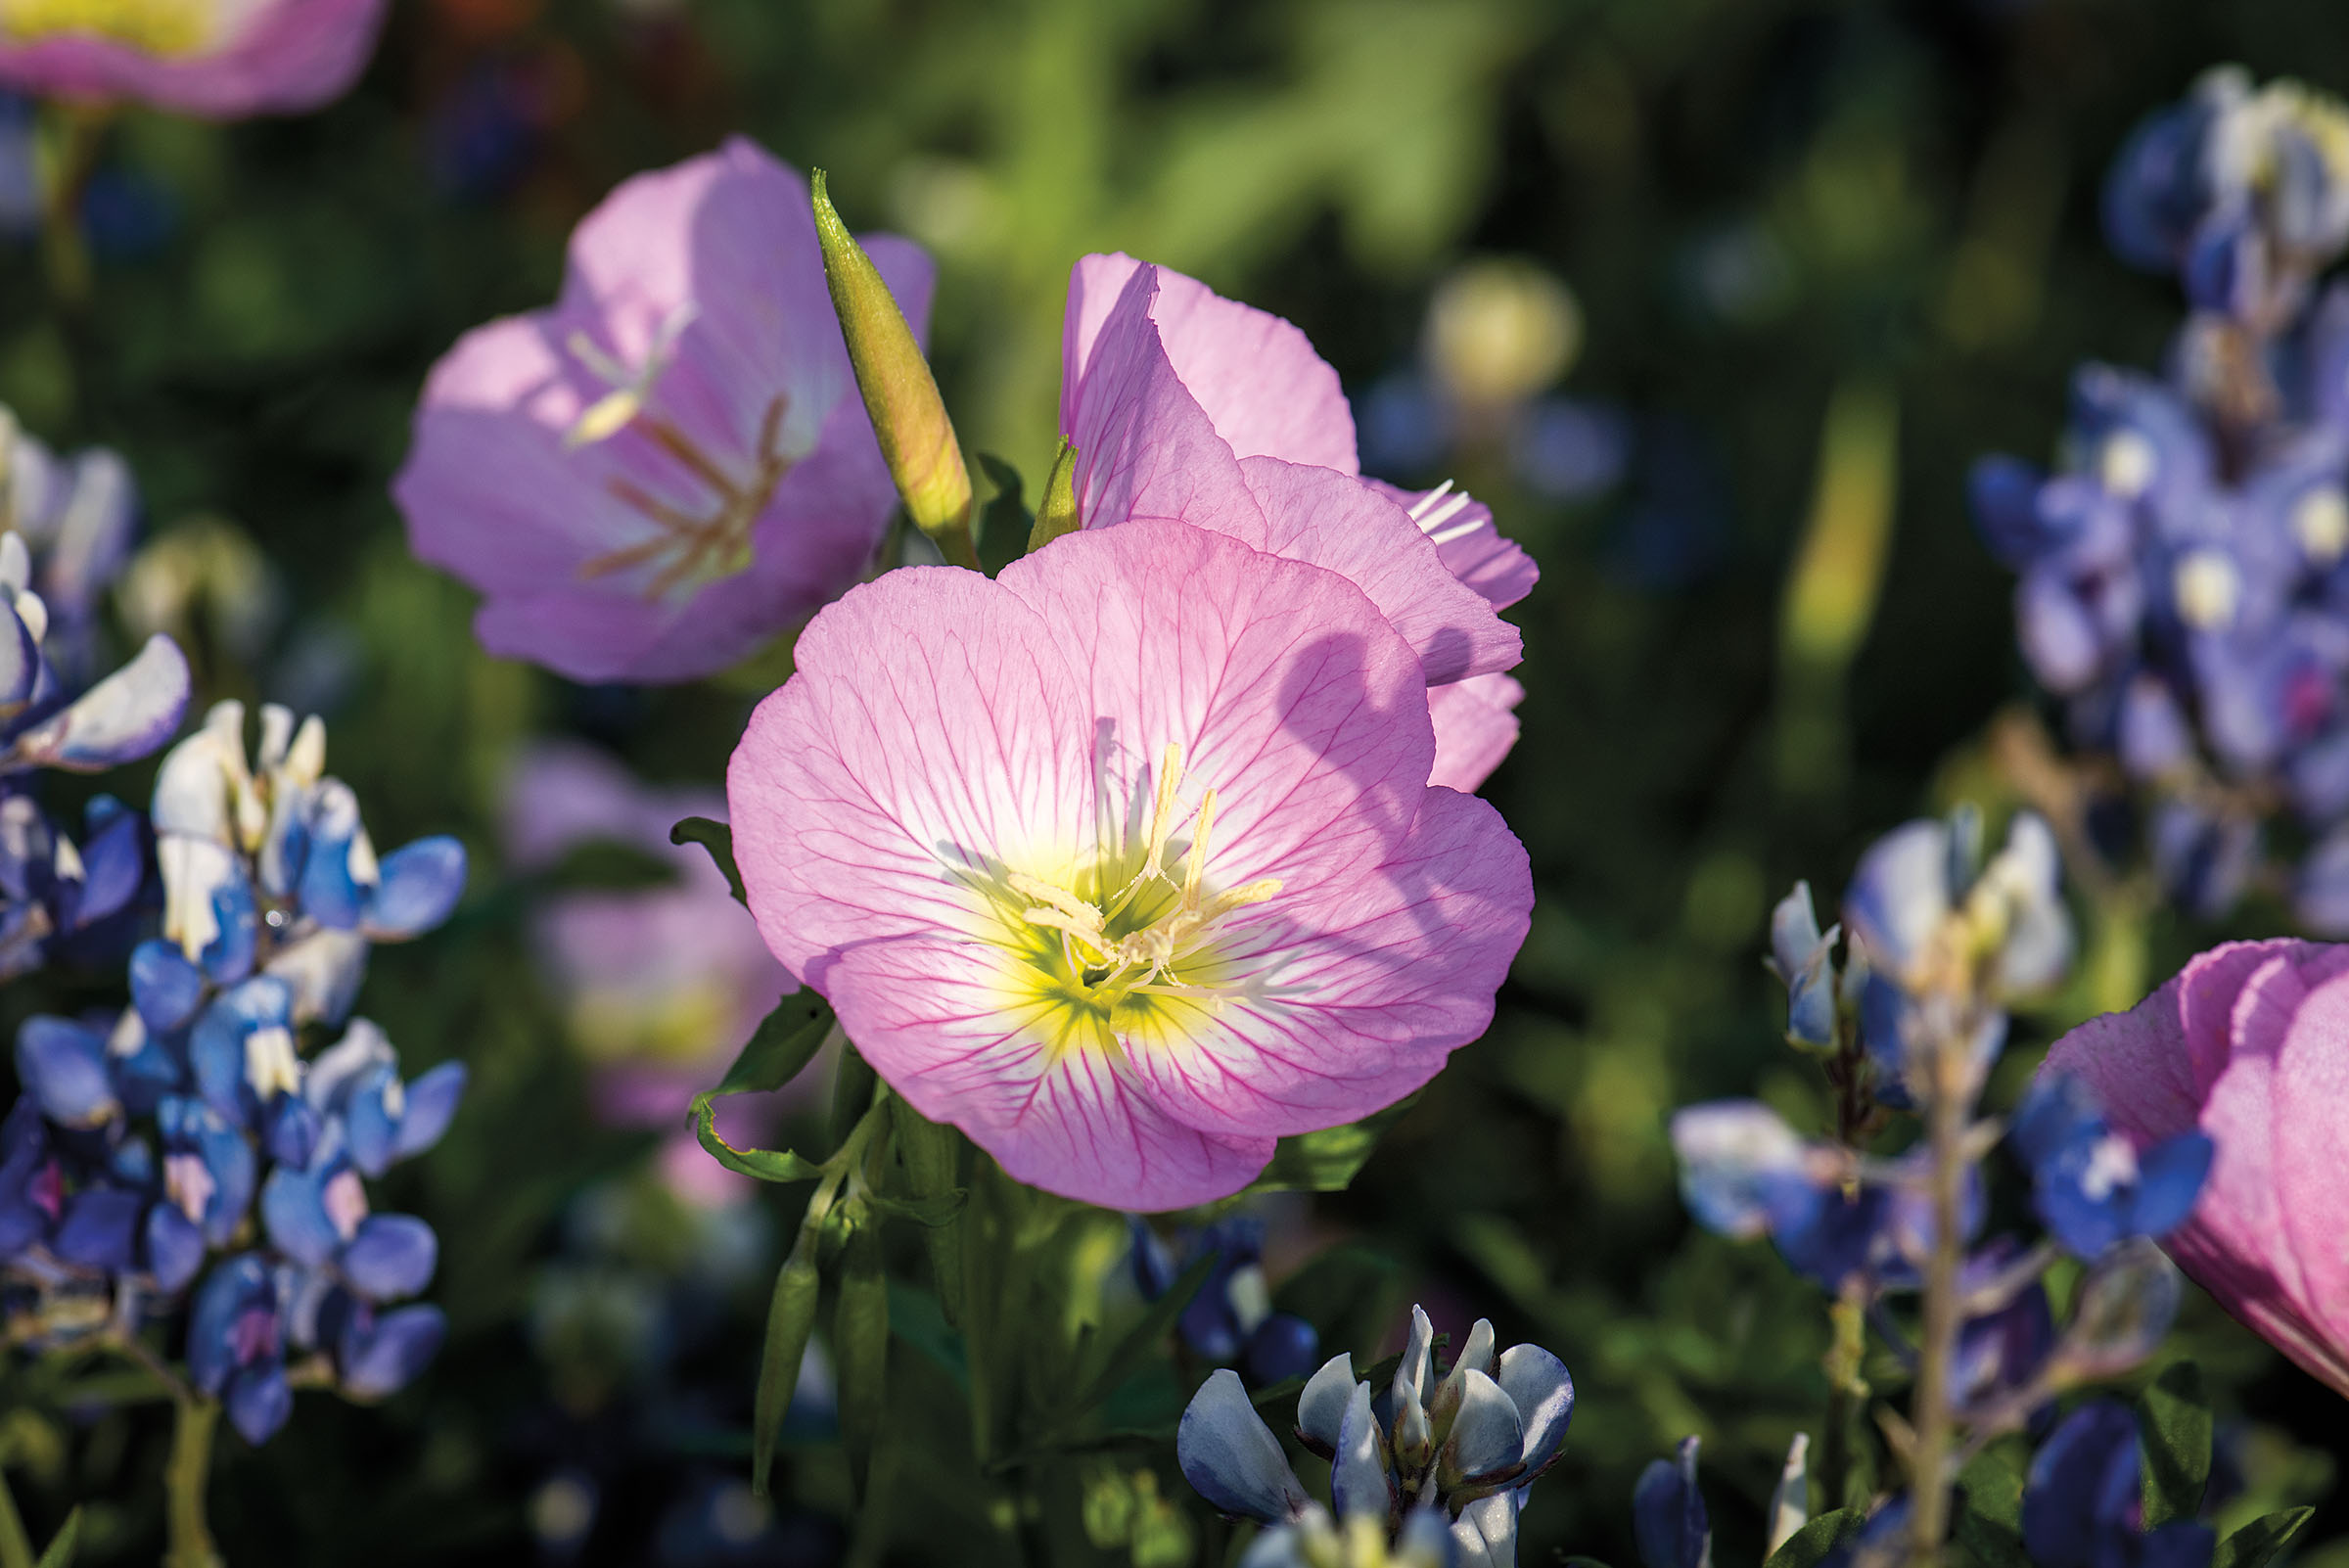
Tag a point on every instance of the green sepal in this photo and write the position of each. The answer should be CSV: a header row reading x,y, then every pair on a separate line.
x,y
1056,508
790,1319
779,1048
716,837
933,1159
1809,1545
2173,1417
2258,1544
59,1553
1328,1161
860,1351
1005,520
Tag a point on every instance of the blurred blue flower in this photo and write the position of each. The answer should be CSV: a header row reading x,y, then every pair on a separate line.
x,y
1230,1320
1804,960
2091,1185
1668,1513
2083,1501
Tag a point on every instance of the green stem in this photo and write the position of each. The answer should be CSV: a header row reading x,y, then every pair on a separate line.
x,y
186,1476
16,1546
64,250
1845,1390
1932,1417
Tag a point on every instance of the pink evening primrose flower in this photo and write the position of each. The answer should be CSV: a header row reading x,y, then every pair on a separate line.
x,y
672,465
216,59
1185,404
1125,862
2250,1043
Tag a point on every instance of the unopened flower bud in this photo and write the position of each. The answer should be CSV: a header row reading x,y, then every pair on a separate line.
x,y
917,439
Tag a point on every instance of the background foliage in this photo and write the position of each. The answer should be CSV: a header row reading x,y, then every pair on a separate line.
x,y
1768,208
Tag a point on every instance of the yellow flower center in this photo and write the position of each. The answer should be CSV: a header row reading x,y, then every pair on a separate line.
x,y
1127,945
157,26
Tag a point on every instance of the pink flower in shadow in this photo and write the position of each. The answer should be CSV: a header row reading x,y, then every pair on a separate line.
x,y
214,59
671,466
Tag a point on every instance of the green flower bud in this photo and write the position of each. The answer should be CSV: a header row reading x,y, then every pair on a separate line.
x,y
917,439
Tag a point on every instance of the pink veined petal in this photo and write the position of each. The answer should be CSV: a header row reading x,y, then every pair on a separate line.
x,y
1476,727
933,731
1358,990
2207,989
2311,1145
2242,1204
1470,544
1144,447
1286,690
1314,515
932,1018
287,58
1257,378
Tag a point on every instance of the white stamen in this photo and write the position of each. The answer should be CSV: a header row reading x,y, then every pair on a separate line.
x,y
2112,1166
269,1063
2208,590
2127,464
2321,523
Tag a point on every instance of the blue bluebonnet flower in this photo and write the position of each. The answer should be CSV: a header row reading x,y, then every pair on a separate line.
x,y
2181,573
79,516
1804,960
1231,1317
2091,1185
2083,1501
1427,1456
1668,1513
268,869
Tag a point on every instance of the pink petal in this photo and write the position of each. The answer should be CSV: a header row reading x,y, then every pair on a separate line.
x,y
935,1019
1361,988
933,728
2136,1064
1470,545
1476,727
1285,689
2310,1123
287,58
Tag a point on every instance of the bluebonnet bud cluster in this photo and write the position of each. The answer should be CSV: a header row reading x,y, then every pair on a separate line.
x,y
192,1129
1230,1320
2181,583
1430,1472
1672,1528
1916,1010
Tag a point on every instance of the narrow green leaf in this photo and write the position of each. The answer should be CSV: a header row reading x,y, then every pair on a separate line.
x,y
1005,520
60,1552
2173,1417
1809,1545
933,1159
2259,1543
1988,1509
1056,508
767,1165
860,1351
718,840
1328,1161
790,1319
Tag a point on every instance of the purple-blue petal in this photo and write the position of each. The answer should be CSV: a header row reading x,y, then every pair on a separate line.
x,y
164,987
62,1066
391,1255
175,1248
379,1357
100,1228
294,1211
432,1104
417,886
260,1399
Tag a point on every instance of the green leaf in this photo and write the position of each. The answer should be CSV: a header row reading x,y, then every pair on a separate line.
x,y
790,1319
1056,510
60,1552
2258,1544
914,1317
1815,1539
2173,1416
860,1351
718,840
1990,1511
853,1085
1328,1161
1005,520
779,1048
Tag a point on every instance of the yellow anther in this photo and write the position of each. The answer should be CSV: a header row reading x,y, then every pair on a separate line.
x,y
1194,859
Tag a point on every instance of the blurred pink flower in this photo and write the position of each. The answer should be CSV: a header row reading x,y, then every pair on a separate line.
x,y
669,466
216,59
1185,404
1125,862
2249,1042
659,986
